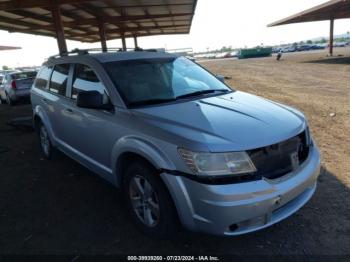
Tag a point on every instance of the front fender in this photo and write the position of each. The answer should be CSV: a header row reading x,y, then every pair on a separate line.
x,y
143,148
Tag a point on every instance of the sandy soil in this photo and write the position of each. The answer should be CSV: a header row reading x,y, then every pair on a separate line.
x,y
59,207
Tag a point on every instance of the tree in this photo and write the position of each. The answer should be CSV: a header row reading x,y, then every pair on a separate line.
x,y
323,40
5,67
309,42
226,49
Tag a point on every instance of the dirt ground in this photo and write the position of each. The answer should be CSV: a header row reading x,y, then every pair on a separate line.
x,y
59,207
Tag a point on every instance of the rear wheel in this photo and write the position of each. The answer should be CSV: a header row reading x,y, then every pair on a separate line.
x,y
9,101
148,201
46,147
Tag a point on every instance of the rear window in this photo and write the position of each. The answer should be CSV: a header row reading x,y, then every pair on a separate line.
x,y
24,75
43,77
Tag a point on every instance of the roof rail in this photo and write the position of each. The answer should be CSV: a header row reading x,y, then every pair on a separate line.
x,y
78,51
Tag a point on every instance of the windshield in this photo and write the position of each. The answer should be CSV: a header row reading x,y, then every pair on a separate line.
x,y
153,81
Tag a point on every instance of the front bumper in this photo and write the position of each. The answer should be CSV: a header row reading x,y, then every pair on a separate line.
x,y
244,207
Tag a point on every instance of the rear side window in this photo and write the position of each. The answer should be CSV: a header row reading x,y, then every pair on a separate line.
x,y
85,79
43,77
59,79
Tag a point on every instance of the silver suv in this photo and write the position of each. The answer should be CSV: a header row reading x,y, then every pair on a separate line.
x,y
179,142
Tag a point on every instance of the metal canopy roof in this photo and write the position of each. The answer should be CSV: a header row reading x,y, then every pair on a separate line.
x,y
81,19
3,48
335,9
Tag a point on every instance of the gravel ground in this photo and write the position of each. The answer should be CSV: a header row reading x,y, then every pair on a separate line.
x,y
59,207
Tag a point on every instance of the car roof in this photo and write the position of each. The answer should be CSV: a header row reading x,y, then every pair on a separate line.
x,y
4,72
21,72
134,55
112,57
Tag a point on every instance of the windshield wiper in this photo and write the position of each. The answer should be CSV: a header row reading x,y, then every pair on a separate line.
x,y
203,92
151,102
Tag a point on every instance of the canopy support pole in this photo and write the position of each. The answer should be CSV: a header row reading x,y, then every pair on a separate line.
x,y
57,21
135,42
331,37
123,42
102,31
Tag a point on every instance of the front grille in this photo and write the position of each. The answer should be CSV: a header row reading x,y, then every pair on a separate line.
x,y
279,159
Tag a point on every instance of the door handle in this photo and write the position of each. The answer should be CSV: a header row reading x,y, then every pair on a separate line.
x,y
44,100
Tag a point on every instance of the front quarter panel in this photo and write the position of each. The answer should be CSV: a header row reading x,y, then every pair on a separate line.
x,y
142,147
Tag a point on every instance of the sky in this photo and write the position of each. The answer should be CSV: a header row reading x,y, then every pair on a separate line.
x,y
236,23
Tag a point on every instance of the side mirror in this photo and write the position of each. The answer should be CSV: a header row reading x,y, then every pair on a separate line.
x,y
221,78
90,99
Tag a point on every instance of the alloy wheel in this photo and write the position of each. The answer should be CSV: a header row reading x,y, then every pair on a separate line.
x,y
44,141
144,201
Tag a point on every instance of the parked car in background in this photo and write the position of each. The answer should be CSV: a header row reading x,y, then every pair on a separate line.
x,y
291,49
339,44
3,73
317,47
234,54
176,140
301,48
16,86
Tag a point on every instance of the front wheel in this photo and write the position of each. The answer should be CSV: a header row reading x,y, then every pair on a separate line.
x,y
148,201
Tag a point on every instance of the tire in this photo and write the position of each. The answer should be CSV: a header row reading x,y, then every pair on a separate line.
x,y
9,101
47,150
153,213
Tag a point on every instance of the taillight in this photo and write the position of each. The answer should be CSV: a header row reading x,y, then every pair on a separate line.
x,y
13,84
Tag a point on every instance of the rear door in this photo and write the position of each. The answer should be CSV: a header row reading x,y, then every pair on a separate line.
x,y
41,83
56,98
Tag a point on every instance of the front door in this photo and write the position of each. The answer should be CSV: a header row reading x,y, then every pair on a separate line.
x,y
89,134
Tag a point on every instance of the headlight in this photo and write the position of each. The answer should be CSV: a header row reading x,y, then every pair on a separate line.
x,y
217,164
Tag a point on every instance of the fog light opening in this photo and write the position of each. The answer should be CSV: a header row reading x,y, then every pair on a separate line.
x,y
233,227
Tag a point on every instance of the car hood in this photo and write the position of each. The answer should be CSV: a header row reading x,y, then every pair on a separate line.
x,y
231,122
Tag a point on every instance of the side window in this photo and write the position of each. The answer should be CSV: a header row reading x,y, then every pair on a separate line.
x,y
85,79
43,77
59,79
